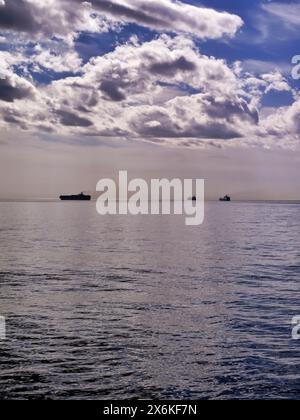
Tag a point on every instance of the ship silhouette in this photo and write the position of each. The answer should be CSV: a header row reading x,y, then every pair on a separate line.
x,y
226,198
78,197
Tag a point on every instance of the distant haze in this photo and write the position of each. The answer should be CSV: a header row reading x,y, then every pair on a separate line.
x,y
40,169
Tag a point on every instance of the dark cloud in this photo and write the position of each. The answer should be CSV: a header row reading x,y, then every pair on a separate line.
x,y
116,89
88,100
170,68
229,109
12,116
45,128
72,120
141,16
112,91
213,130
168,129
17,15
36,18
218,118
112,132
9,93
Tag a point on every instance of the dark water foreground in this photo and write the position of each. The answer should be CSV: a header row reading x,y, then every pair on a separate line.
x,y
144,307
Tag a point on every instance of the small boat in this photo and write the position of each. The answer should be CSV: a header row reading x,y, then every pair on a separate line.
x,y
226,198
78,197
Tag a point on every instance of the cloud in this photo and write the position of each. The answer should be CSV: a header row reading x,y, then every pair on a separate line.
x,y
162,89
199,116
70,119
168,15
13,87
169,68
38,18
283,122
18,15
59,18
289,14
259,66
57,60
112,90
276,81
273,15
104,95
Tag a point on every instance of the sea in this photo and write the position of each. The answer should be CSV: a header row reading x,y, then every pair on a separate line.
x,y
145,307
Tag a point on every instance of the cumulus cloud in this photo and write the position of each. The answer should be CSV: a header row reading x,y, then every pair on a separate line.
x,y
111,90
38,18
13,87
168,15
276,81
60,18
283,122
9,91
199,116
71,119
58,61
169,68
163,91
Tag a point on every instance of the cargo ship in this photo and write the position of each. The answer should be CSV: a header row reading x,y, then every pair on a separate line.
x,y
226,198
78,197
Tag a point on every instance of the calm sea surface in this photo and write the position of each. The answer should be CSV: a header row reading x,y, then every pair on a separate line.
x,y
145,307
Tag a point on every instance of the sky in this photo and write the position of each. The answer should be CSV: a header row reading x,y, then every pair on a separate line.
x,y
161,88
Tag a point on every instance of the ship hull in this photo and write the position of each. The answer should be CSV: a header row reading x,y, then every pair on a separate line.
x,y
226,199
75,198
